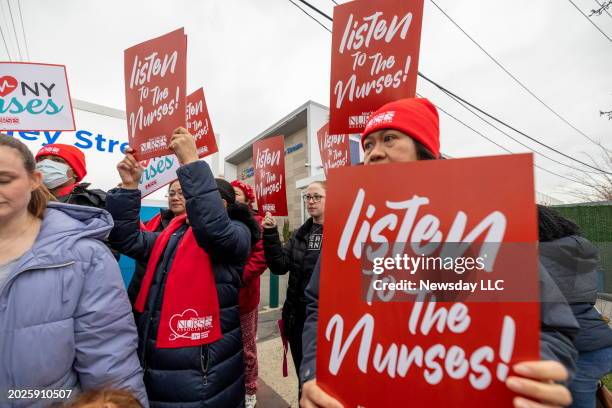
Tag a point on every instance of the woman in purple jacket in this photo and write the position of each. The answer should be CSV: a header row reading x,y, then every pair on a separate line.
x,y
65,320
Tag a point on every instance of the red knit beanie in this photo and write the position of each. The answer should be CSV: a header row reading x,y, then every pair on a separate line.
x,y
246,189
72,155
416,117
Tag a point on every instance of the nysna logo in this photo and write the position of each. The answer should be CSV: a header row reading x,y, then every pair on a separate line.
x,y
188,325
7,85
155,167
34,98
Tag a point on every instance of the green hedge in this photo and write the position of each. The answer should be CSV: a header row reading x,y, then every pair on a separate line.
x,y
596,224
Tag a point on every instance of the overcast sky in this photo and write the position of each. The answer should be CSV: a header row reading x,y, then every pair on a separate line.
x,y
260,59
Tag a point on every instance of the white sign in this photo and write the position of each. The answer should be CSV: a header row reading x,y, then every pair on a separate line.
x,y
102,136
34,97
161,171
158,172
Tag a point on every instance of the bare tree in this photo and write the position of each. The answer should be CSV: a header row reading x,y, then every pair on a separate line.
x,y
603,8
595,186
608,114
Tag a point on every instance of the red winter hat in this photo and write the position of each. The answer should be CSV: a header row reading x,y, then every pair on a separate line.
x,y
246,189
417,117
73,156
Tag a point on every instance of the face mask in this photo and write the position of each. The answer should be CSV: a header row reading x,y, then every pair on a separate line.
x,y
54,173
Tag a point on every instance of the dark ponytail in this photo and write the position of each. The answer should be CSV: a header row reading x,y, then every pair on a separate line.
x,y
553,226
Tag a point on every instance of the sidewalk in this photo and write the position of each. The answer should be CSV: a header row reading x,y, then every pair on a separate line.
x,y
275,391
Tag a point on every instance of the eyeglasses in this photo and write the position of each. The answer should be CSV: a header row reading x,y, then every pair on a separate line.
x,y
316,198
173,194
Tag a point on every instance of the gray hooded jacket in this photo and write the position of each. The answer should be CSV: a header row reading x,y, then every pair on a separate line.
x,y
65,319
573,263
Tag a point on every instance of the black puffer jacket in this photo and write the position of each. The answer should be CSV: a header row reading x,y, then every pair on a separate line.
x,y
81,194
295,258
210,375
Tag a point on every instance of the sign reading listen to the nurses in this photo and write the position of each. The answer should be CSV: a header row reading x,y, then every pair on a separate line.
x,y
335,150
419,344
375,57
155,77
270,181
199,124
34,97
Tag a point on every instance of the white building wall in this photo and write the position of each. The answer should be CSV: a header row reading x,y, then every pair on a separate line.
x,y
317,117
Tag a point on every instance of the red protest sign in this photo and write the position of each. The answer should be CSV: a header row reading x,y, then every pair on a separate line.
x,y
199,124
335,149
270,188
155,77
375,57
427,353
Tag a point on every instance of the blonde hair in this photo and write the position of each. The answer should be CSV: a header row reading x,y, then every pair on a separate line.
x,y
321,183
106,398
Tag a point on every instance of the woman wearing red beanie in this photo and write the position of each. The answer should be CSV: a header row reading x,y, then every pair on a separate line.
x,y
63,167
248,297
408,130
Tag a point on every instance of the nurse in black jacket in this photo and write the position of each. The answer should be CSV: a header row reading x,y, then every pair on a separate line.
x,y
298,257
190,344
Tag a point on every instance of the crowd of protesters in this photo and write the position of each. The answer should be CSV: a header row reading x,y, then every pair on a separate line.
x,y
67,321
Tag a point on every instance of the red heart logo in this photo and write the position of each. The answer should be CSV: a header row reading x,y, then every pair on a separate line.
x,y
7,85
178,324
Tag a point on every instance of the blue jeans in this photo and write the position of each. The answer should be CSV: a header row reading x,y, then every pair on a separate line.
x,y
591,367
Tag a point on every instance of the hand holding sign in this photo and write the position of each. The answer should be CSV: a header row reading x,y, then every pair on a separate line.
x,y
129,170
184,146
539,388
314,396
269,222
537,384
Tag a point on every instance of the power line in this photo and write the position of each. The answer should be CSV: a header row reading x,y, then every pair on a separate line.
x,y
316,9
516,140
480,110
510,74
334,1
5,45
14,30
446,91
304,11
494,142
25,39
590,21
469,127
4,41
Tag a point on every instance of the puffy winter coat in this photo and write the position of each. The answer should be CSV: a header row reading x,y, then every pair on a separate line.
x,y
295,258
65,319
81,194
204,376
572,262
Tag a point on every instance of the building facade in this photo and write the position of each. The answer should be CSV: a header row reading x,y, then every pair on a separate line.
x,y
302,157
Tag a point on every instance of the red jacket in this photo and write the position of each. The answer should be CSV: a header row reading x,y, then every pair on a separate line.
x,y
248,297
